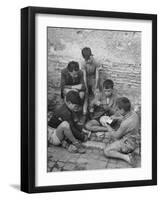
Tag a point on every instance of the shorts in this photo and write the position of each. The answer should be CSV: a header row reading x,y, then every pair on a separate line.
x,y
52,137
127,145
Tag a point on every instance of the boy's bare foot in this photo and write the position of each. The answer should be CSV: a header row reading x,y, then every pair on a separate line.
x,y
65,144
79,147
76,148
132,159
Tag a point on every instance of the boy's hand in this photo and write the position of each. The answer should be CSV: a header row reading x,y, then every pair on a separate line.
x,y
113,117
97,103
106,107
77,87
116,117
110,134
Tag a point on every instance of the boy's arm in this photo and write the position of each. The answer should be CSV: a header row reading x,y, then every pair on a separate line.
x,y
63,83
85,105
116,116
99,66
82,81
97,77
84,76
81,85
76,132
116,134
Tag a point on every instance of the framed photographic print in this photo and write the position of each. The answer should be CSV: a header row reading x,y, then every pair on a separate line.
x,y
88,99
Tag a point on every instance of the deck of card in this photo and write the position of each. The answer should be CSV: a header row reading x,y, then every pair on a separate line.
x,y
105,120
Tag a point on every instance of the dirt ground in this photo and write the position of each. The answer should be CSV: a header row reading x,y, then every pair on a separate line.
x,y
59,159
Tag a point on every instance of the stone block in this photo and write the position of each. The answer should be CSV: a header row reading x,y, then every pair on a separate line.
x,y
69,167
94,164
122,164
51,164
62,155
60,164
82,160
56,169
93,144
74,157
79,167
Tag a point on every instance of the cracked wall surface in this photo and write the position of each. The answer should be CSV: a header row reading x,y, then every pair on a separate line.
x,y
118,51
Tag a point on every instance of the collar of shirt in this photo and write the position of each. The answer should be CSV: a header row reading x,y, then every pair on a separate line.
x,y
127,115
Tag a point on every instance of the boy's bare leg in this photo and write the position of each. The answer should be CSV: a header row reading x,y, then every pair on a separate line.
x,y
64,130
112,151
82,94
85,105
93,125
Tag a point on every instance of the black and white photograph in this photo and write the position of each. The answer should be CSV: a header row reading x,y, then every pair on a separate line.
x,y
90,79
93,99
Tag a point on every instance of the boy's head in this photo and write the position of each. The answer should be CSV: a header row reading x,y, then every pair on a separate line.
x,y
108,87
123,105
73,101
86,53
73,68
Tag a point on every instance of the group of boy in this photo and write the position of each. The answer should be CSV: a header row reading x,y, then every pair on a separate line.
x,y
79,90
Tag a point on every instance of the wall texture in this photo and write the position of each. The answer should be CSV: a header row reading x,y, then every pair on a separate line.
x,y
118,51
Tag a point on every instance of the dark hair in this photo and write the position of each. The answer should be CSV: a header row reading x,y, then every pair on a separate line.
x,y
86,52
124,103
108,84
73,97
73,66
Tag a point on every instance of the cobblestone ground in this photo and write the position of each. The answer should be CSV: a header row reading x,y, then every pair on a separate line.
x,y
60,159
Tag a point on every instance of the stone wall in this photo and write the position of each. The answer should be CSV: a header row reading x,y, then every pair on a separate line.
x,y
118,51
126,77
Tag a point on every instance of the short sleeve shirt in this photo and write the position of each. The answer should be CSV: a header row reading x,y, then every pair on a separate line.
x,y
130,125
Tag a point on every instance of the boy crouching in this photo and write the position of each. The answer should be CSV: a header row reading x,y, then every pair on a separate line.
x,y
62,125
127,136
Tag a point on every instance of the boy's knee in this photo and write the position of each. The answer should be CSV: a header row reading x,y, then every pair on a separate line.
x,y
106,151
82,94
88,125
65,125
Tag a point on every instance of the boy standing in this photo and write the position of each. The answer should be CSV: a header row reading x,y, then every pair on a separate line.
x,y
61,124
127,135
90,68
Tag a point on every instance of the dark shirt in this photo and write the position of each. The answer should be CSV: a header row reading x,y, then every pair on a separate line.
x,y
67,79
61,114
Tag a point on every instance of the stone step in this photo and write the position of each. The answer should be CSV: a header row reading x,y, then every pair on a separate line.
x,y
100,137
94,144
102,145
